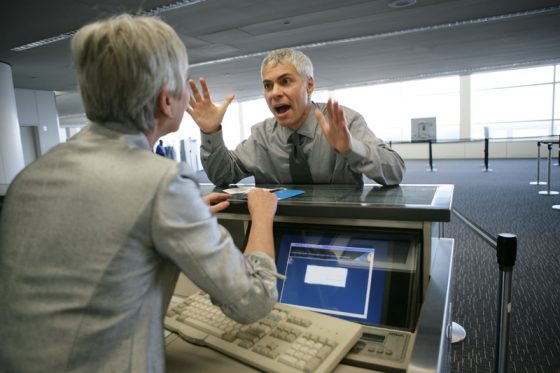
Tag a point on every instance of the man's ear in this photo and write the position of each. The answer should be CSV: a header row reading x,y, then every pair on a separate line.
x,y
310,85
163,103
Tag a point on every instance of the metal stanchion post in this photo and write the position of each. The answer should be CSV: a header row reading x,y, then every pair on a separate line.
x,y
538,182
486,144
506,253
549,192
557,207
430,161
558,163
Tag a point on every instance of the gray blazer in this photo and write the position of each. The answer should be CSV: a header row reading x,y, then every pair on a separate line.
x,y
92,236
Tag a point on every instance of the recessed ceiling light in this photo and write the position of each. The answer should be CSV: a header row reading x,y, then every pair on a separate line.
x,y
400,3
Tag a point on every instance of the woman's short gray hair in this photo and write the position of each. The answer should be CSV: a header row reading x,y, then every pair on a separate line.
x,y
122,64
301,62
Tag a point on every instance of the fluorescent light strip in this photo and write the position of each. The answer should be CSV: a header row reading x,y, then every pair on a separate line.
x,y
169,7
150,12
42,42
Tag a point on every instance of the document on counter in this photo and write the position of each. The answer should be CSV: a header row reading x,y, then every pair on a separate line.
x,y
287,193
281,193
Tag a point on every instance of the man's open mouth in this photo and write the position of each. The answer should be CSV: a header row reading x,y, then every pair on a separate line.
x,y
281,109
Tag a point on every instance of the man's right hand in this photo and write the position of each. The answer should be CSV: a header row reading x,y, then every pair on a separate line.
x,y
207,116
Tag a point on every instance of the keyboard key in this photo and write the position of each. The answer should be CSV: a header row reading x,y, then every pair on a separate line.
x,y
288,360
204,327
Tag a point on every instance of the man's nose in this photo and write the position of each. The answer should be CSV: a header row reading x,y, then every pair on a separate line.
x,y
276,90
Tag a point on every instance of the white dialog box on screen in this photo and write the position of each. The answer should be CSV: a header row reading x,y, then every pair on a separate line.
x,y
329,276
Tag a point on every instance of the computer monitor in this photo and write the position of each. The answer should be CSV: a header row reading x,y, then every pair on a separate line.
x,y
366,275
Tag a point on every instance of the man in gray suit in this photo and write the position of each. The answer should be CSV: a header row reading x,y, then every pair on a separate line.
x,y
94,233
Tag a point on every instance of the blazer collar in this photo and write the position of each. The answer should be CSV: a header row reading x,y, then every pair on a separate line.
x,y
131,137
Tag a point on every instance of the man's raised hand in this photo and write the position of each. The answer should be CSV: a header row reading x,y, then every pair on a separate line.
x,y
207,116
336,129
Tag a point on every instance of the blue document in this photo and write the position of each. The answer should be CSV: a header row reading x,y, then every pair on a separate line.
x,y
287,193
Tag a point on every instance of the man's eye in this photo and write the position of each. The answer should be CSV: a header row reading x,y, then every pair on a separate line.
x,y
286,81
267,86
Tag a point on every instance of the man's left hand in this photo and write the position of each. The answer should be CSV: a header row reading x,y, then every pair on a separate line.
x,y
336,129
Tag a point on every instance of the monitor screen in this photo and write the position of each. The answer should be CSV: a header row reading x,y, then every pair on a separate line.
x,y
359,274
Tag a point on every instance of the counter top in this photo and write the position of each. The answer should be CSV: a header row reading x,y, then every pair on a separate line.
x,y
410,202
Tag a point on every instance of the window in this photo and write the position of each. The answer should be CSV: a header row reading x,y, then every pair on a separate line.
x,y
513,103
252,112
556,125
230,126
388,108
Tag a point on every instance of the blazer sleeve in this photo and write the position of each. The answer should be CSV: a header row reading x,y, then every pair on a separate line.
x,y
186,232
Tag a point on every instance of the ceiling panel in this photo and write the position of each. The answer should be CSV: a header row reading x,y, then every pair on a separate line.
x,y
350,42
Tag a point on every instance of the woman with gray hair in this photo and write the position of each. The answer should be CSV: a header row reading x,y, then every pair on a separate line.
x,y
94,233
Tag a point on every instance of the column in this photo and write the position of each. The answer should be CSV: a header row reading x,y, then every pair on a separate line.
x,y
465,107
11,152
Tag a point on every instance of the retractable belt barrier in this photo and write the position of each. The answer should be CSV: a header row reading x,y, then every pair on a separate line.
x,y
554,207
506,253
538,182
549,192
431,167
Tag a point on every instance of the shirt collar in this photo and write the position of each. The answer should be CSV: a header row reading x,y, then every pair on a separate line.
x,y
308,127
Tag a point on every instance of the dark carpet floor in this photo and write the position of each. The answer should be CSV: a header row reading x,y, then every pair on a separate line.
x,y
503,201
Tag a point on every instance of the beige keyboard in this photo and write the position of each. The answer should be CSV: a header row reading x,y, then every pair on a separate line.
x,y
288,339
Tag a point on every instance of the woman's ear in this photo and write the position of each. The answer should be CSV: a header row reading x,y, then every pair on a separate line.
x,y
163,104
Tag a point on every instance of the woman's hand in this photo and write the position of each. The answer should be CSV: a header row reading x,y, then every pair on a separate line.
x,y
217,201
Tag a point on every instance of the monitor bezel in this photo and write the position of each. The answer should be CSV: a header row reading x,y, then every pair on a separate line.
x,y
412,236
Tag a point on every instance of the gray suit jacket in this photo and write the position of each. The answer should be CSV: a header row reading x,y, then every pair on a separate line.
x,y
92,236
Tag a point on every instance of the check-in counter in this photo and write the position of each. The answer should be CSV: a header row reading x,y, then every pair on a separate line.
x,y
413,262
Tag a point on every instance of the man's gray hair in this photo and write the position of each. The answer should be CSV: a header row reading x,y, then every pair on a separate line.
x,y
123,63
301,62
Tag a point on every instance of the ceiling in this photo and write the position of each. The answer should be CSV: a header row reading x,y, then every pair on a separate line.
x,y
350,42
